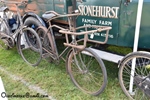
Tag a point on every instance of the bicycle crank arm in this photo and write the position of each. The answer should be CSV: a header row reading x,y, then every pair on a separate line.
x,y
8,40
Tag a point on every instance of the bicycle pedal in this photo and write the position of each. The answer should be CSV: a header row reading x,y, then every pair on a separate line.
x,y
3,37
22,46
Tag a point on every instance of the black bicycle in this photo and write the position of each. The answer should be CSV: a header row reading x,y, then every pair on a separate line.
x,y
13,31
134,75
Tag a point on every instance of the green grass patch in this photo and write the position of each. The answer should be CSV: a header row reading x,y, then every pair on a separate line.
x,y
54,79
14,88
119,50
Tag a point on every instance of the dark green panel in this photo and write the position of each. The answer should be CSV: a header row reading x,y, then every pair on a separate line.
x,y
111,18
62,7
128,24
59,8
121,17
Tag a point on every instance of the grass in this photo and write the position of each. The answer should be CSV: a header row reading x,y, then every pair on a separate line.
x,y
53,79
15,87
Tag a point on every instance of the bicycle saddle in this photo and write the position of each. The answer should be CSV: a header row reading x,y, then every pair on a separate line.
x,y
2,9
49,14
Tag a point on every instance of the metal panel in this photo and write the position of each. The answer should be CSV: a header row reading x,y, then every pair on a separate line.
x,y
39,6
59,8
108,56
128,22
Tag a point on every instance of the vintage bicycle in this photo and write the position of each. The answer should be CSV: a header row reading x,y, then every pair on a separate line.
x,y
85,67
13,31
134,75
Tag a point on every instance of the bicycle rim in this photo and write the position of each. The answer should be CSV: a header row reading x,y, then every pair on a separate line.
x,y
142,69
30,47
48,46
87,71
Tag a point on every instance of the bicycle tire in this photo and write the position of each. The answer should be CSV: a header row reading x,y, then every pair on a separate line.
x,y
85,82
141,61
32,22
29,46
46,39
5,30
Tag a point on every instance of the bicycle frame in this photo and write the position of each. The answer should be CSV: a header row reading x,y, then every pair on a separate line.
x,y
52,39
14,34
71,31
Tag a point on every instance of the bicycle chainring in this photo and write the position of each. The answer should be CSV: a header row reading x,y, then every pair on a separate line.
x,y
6,42
143,83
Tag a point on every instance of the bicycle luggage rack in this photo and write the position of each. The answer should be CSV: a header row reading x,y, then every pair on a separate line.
x,y
85,33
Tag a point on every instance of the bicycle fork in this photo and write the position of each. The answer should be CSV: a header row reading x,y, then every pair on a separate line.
x,y
79,63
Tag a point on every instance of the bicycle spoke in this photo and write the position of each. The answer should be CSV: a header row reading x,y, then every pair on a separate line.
x,y
141,73
87,73
30,47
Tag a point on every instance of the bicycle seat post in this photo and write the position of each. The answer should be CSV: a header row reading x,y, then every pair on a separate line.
x,y
71,28
18,14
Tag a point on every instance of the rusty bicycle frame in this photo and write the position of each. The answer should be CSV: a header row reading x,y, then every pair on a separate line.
x,y
77,51
71,31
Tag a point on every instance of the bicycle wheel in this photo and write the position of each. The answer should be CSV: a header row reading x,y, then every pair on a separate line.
x,y
49,51
46,39
29,46
87,71
140,75
4,42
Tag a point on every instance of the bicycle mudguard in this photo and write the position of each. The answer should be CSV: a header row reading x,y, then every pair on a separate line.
x,y
129,54
31,14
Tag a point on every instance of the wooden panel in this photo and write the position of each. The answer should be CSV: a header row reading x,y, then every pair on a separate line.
x,y
40,6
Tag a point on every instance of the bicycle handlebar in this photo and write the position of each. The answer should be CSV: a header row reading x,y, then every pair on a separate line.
x,y
100,28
